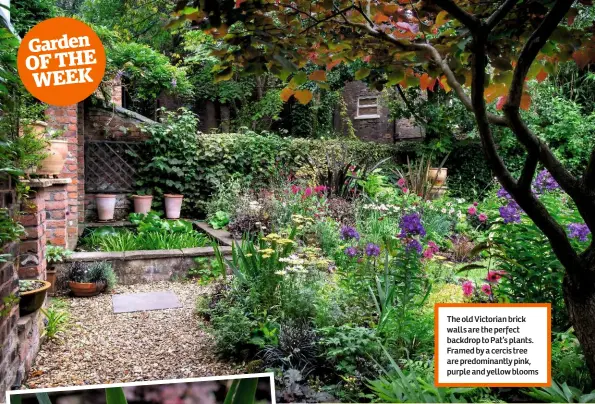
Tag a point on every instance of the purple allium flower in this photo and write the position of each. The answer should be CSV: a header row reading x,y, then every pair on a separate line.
x,y
502,193
351,252
511,213
174,82
411,225
372,250
545,182
414,245
348,232
119,74
579,231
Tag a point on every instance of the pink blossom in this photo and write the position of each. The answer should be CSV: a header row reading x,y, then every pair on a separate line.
x,y
405,190
401,182
475,203
467,288
494,276
487,289
483,217
472,210
319,189
307,192
428,253
295,189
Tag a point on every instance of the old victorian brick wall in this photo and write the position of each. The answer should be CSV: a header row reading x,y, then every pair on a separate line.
x,y
374,124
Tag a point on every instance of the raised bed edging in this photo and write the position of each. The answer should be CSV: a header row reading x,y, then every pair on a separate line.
x,y
145,266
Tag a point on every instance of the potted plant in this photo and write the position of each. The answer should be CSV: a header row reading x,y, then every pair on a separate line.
x,y
53,255
90,279
32,294
106,205
56,150
142,203
437,176
173,205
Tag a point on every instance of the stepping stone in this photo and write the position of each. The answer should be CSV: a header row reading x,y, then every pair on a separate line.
x,y
131,302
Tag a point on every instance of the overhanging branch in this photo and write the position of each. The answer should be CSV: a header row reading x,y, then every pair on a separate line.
x,y
499,14
528,172
469,20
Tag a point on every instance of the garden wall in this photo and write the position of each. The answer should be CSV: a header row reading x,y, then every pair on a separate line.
x,y
107,135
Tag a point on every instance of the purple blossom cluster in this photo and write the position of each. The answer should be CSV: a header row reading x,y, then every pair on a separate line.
x,y
545,182
348,233
579,231
351,252
414,245
511,212
411,225
372,250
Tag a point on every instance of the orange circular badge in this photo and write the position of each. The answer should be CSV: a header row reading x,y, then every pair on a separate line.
x,y
61,61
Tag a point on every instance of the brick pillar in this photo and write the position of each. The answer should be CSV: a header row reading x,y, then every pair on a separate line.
x,y
64,119
81,162
56,206
32,248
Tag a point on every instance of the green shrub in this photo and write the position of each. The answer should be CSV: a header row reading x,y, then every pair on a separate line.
x,y
232,330
181,161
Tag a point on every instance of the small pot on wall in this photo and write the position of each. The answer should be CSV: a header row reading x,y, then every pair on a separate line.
x,y
142,203
437,176
31,301
106,204
173,205
54,162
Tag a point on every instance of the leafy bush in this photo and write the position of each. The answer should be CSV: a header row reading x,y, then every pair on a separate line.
x,y
181,161
568,361
232,330
95,272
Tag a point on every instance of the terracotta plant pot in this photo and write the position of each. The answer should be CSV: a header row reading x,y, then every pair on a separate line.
x,y
39,128
84,289
142,203
106,204
437,178
54,162
32,301
173,205
50,275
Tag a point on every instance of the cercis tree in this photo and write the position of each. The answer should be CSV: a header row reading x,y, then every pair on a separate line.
x,y
484,51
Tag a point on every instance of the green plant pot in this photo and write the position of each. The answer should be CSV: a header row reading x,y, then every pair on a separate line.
x,y
32,301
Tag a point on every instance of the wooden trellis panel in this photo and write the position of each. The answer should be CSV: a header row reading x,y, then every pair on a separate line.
x,y
110,165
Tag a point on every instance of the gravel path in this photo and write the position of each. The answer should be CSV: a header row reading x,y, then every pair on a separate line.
x,y
102,347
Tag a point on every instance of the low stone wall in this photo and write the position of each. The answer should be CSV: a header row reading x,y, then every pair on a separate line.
x,y
30,332
134,267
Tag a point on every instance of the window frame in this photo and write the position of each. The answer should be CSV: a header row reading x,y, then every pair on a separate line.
x,y
375,105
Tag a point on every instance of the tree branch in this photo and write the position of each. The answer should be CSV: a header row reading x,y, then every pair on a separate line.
x,y
318,22
532,143
532,206
528,172
499,14
589,176
409,106
469,20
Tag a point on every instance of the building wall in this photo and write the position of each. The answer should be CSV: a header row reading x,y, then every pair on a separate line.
x,y
378,129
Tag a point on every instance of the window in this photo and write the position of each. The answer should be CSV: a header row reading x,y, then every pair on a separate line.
x,y
367,107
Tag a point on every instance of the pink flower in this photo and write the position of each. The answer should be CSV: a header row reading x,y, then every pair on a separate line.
x,y
494,276
483,217
467,288
307,192
487,289
405,190
295,189
428,253
401,182
475,203
472,210
319,189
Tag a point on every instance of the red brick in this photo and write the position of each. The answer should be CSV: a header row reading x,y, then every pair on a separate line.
x,y
71,112
56,214
56,205
73,230
30,272
72,195
32,246
30,219
55,224
58,196
35,232
57,240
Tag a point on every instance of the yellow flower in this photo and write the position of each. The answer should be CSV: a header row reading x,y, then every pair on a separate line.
x,y
265,256
267,251
248,255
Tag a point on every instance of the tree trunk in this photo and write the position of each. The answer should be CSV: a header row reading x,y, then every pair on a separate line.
x,y
580,303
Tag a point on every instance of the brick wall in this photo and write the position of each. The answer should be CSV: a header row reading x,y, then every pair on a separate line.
x,y
376,129
9,359
64,119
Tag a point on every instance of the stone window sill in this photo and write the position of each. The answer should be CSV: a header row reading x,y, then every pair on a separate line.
x,y
368,117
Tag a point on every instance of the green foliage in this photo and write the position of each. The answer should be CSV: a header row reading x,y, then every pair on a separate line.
x,y
206,270
54,253
151,233
232,330
181,161
10,230
568,361
350,349
57,321
220,220
25,14
560,393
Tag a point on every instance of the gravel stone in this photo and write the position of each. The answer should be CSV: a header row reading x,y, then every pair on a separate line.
x,y
102,347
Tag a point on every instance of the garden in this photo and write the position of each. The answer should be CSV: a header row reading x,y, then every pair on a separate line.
x,y
295,239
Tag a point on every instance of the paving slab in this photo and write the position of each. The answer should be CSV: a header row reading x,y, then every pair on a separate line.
x,y
133,302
